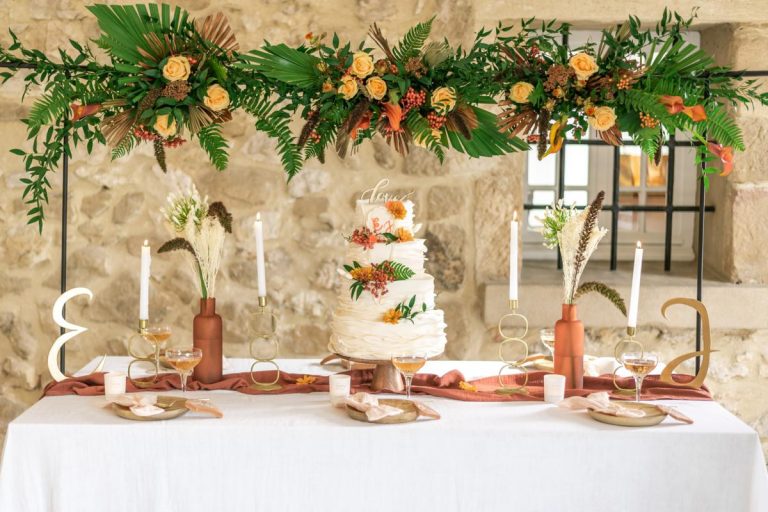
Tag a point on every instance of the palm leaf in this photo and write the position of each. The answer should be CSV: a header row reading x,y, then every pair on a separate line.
x,y
286,64
215,30
486,138
381,41
117,127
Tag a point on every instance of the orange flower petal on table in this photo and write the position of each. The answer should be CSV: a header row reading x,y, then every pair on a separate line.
x,y
81,111
725,154
394,115
306,380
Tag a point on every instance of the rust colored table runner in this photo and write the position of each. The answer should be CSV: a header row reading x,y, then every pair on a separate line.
x,y
450,385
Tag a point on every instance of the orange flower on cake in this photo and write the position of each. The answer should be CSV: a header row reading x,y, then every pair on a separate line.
x,y
520,92
392,316
376,87
403,235
177,68
602,118
348,87
362,65
163,127
216,98
396,209
584,65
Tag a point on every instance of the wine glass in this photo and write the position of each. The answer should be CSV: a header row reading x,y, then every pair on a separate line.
x,y
639,364
183,361
408,366
548,340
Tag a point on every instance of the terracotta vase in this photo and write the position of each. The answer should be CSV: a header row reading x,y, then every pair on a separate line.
x,y
569,347
206,335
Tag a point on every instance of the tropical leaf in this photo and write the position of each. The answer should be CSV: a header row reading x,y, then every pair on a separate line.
x,y
486,140
285,64
413,40
214,143
215,30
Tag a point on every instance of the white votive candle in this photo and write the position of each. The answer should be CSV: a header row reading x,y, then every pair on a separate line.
x,y
114,384
338,387
554,388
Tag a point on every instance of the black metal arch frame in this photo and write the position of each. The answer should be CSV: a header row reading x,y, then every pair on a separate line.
x,y
615,207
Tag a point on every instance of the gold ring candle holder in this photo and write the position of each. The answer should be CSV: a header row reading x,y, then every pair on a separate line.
x,y
265,335
618,350
507,341
153,359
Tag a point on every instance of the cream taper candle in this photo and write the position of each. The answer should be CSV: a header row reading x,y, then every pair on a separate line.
x,y
513,226
634,296
146,261
261,277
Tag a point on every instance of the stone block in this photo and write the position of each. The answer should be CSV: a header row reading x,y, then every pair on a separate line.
x,y
445,201
446,255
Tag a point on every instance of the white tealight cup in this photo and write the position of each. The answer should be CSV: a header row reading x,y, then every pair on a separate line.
x,y
554,388
114,384
338,387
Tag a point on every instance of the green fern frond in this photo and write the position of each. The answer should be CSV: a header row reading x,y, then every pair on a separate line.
x,y
277,126
124,147
54,105
214,143
720,126
606,291
643,101
421,132
413,40
398,271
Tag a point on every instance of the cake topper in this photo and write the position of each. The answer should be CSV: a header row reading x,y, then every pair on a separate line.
x,y
373,195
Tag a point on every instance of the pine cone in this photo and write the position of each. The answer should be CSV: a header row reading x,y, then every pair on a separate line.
x,y
177,90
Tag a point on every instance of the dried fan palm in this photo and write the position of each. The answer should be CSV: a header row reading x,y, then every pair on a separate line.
x,y
400,140
611,136
463,120
517,121
117,127
216,30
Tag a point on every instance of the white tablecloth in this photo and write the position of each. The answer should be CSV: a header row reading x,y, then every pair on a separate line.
x,y
296,453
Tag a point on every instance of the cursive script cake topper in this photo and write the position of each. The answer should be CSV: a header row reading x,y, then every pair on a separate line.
x,y
374,195
73,330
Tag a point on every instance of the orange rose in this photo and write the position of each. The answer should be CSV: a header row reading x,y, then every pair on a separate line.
x,y
602,118
362,64
216,98
176,68
164,127
376,87
584,65
348,87
520,92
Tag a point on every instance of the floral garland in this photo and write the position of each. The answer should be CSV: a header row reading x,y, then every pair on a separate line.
x,y
171,78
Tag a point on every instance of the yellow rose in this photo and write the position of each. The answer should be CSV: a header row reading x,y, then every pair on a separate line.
x,y
376,87
362,65
177,68
163,128
348,87
443,100
216,98
602,118
584,65
520,92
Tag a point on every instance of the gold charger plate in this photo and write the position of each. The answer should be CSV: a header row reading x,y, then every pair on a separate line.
x,y
173,405
653,416
410,413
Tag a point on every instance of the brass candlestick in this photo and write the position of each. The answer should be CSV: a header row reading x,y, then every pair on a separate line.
x,y
617,351
153,358
516,363
265,334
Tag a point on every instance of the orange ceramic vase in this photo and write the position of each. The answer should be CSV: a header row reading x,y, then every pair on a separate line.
x,y
206,335
569,347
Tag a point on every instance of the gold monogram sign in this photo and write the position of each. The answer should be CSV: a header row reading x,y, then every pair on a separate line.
x,y
706,348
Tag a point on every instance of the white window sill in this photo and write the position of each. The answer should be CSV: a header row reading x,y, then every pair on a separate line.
x,y
730,306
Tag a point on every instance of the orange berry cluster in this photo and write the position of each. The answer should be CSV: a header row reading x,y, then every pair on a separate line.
x,y
314,136
174,143
625,82
412,99
648,121
436,121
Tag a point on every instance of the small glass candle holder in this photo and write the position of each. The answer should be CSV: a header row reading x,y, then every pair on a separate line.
x,y
114,384
554,388
339,386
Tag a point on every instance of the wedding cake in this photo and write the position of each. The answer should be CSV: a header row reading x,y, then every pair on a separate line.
x,y
387,304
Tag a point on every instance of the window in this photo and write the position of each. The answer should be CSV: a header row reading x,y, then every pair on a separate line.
x,y
588,168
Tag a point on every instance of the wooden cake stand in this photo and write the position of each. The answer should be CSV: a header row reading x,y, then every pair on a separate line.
x,y
385,376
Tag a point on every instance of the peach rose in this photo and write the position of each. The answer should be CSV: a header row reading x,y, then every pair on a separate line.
x,y
520,92
216,98
177,68
376,87
348,87
584,65
602,118
163,127
362,65
443,100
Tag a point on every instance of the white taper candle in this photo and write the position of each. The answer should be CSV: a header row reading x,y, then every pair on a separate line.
x,y
262,280
146,261
634,296
513,225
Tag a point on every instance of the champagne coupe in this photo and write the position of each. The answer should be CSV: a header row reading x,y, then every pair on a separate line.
x,y
408,366
548,340
639,364
183,361
156,335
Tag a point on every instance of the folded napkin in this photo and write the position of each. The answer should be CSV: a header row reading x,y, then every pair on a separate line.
x,y
369,404
140,405
599,402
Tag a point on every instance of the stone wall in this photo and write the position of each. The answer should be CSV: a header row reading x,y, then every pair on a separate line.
x,y
115,205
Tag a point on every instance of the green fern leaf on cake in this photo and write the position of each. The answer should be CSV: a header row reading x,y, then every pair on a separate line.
x,y
398,271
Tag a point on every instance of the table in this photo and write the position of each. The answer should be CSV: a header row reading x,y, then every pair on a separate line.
x,y
296,453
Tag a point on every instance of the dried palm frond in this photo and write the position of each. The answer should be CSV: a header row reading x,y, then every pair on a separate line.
x,y
398,139
308,127
611,136
350,123
158,49
462,119
606,291
378,37
215,29
117,127
517,121
219,211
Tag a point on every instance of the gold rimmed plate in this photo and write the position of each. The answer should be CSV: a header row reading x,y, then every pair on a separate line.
x,y
410,412
173,408
653,416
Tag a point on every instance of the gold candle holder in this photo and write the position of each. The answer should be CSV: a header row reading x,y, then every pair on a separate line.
x,y
504,389
153,358
618,350
267,334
